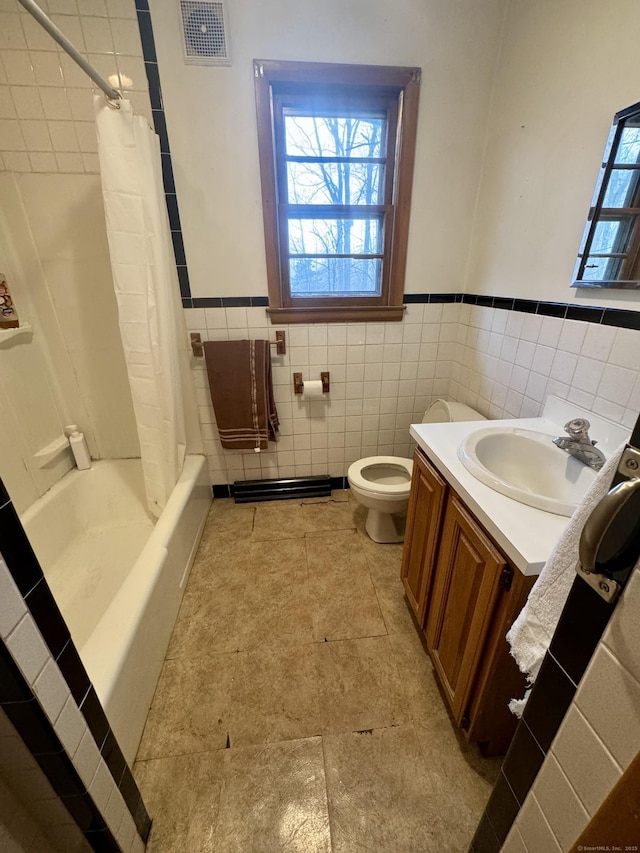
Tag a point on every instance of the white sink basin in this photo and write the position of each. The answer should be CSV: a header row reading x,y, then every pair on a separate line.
x,y
526,466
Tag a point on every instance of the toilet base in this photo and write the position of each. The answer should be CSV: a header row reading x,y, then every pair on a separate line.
x,y
384,527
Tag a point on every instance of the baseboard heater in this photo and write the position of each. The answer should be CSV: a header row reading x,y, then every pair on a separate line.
x,y
248,491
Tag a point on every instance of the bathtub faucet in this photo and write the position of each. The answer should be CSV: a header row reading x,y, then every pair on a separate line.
x,y
579,444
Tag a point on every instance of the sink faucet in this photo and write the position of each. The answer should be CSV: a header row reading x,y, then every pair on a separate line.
x,y
579,444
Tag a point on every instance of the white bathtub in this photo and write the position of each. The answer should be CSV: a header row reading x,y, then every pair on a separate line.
x,y
118,578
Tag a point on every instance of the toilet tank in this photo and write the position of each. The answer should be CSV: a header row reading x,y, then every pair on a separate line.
x,y
442,411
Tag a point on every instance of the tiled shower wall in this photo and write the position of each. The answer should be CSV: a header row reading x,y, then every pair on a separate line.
x,y
384,375
46,110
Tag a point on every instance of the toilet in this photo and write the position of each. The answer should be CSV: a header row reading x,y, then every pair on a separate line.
x,y
382,483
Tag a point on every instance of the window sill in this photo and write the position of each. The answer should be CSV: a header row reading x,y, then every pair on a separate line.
x,y
320,314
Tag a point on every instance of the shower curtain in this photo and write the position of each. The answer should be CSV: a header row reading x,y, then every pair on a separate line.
x,y
145,279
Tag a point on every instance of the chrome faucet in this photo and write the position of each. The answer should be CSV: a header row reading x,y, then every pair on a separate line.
x,y
579,444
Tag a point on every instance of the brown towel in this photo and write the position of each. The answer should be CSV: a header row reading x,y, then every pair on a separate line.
x,y
242,393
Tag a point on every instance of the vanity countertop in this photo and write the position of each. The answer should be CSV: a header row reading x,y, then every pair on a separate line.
x,y
526,535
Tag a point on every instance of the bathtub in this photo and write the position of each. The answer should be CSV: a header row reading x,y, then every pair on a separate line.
x,y
118,577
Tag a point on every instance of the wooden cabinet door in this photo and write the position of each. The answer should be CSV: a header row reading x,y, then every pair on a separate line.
x,y
465,590
424,515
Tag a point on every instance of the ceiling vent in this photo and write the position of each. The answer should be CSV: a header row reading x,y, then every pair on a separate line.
x,y
204,32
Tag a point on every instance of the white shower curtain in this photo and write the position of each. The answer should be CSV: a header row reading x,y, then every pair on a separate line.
x,y
145,279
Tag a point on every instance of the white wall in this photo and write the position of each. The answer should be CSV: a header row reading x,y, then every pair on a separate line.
x,y
565,69
212,127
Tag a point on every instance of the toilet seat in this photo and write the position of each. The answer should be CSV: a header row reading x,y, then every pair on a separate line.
x,y
357,476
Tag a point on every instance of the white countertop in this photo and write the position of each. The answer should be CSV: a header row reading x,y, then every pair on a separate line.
x,y
526,535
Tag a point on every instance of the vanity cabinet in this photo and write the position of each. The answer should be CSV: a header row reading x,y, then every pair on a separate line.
x,y
424,515
465,596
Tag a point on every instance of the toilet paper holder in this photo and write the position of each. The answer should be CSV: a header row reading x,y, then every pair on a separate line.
x,y
298,383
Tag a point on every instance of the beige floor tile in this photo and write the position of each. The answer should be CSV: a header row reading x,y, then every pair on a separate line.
x,y
272,580
274,800
393,605
344,605
190,709
360,685
359,516
276,610
209,621
330,516
380,796
424,698
343,600
276,520
275,556
227,520
182,796
384,561
339,553
460,776
275,695
337,495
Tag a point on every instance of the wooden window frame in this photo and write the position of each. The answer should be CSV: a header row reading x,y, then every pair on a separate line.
x,y
628,254
399,87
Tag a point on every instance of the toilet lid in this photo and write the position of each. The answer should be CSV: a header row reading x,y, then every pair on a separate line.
x,y
388,474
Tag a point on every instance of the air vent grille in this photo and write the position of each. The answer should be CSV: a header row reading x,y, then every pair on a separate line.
x,y
204,31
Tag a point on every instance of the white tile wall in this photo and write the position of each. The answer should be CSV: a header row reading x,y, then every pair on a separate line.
x,y
597,741
18,829
13,607
32,656
510,371
534,829
31,817
384,375
46,112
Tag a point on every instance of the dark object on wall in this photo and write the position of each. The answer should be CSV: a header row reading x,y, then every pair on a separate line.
x,y
246,491
205,33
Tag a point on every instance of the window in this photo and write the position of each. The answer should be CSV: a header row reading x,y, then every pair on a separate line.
x,y
610,251
336,147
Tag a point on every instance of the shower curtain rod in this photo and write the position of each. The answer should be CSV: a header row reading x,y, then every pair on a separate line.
x,y
65,44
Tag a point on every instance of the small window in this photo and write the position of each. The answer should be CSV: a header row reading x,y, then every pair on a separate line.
x,y
610,252
336,149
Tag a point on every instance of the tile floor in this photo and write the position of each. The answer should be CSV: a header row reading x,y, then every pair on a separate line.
x,y
297,709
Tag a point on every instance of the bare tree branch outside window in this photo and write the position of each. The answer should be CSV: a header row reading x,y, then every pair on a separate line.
x,y
335,161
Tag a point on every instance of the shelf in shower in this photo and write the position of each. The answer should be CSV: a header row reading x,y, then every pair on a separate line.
x,y
10,336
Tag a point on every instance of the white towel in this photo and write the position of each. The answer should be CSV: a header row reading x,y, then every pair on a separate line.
x,y
531,633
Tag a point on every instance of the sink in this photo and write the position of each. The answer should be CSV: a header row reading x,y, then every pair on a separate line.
x,y
524,465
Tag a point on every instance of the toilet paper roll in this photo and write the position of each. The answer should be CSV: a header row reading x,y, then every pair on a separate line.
x,y
312,390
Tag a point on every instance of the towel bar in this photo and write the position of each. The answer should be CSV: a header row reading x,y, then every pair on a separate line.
x,y
280,343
